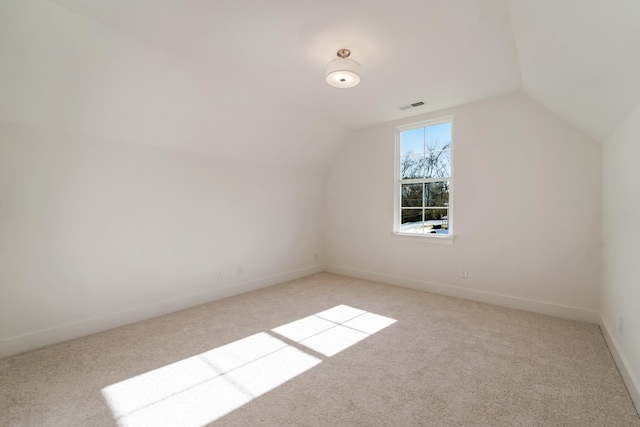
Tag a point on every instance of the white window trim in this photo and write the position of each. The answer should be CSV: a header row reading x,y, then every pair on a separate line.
x,y
443,239
397,184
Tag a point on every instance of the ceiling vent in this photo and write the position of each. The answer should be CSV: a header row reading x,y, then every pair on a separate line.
x,y
412,105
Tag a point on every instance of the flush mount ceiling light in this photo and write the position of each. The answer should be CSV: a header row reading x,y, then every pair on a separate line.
x,y
343,72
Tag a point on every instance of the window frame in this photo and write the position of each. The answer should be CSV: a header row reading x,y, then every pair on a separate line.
x,y
398,182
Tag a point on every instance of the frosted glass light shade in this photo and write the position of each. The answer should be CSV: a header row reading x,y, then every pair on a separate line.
x,y
343,73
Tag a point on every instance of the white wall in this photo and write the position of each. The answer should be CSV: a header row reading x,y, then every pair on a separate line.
x,y
96,234
526,211
621,238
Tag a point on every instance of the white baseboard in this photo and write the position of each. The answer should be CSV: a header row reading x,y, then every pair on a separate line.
x,y
630,380
20,344
541,307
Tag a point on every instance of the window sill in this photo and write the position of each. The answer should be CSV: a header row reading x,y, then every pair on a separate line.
x,y
425,238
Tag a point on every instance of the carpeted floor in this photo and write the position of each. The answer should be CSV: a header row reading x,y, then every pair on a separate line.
x,y
391,357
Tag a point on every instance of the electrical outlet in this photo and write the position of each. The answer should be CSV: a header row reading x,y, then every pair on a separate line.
x,y
239,269
220,275
464,273
620,325
315,256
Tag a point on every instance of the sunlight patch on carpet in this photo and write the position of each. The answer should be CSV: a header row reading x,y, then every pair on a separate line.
x,y
198,390
332,331
203,388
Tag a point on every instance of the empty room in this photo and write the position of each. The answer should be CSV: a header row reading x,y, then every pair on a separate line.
x,y
296,213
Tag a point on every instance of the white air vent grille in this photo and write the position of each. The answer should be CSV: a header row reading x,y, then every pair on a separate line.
x,y
412,105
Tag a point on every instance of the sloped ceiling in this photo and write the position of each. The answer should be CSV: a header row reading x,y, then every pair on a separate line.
x,y
580,58
244,79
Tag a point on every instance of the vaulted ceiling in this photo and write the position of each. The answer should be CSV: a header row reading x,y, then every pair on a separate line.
x,y
244,79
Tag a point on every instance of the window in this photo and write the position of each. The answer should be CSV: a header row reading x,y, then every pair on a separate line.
x,y
423,179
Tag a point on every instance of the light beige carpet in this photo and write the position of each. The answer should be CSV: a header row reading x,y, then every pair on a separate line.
x,y
425,360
